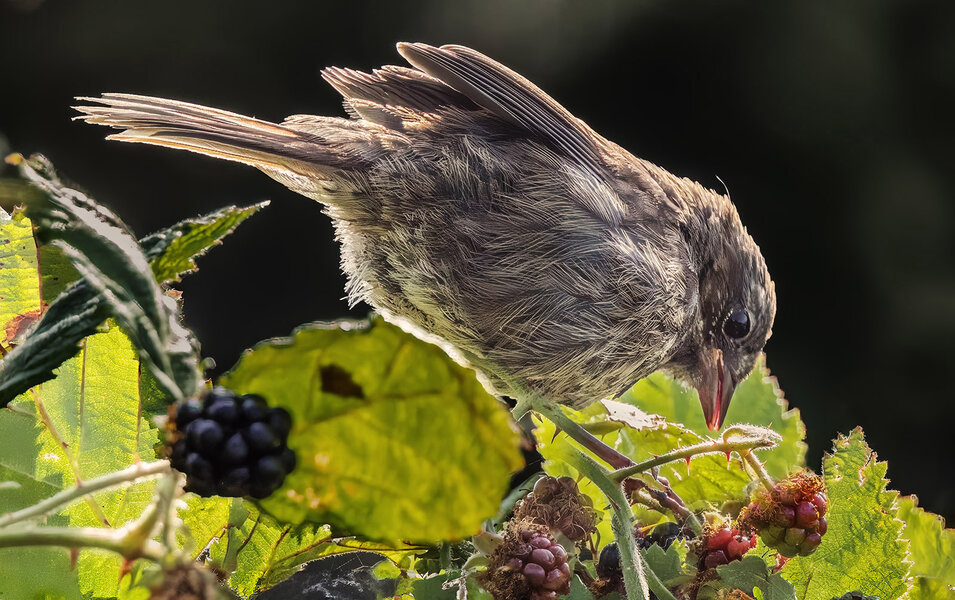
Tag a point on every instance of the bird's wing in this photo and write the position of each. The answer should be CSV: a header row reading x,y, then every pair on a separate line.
x,y
510,96
395,86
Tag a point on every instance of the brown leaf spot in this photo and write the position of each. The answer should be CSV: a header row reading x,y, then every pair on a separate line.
x,y
338,381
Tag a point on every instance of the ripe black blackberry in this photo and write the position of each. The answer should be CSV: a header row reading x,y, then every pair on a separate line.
x,y
230,445
791,517
609,574
856,595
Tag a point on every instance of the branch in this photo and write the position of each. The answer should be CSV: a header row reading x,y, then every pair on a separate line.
x,y
127,475
684,453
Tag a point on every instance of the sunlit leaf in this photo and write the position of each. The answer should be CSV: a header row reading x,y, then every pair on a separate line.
x,y
863,548
751,576
395,441
931,551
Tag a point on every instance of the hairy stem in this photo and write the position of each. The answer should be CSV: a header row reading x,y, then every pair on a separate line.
x,y
687,452
47,506
757,468
81,537
621,522
583,437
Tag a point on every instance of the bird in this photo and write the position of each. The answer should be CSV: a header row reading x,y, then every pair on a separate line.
x,y
476,211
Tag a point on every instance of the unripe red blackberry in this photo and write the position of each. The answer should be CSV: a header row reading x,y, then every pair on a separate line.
x,y
231,446
791,517
723,545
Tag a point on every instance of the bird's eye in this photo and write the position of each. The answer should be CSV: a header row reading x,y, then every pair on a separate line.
x,y
736,324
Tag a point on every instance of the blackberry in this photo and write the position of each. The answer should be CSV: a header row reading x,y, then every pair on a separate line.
x,y
664,535
791,517
557,503
608,565
609,574
528,565
856,595
722,546
230,445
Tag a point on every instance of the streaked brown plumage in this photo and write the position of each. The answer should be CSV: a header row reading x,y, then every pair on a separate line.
x,y
474,208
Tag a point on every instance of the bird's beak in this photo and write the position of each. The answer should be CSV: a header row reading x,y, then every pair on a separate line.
x,y
716,387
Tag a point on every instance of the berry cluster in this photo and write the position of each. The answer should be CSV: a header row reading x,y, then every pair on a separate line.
x,y
544,564
232,445
790,518
724,545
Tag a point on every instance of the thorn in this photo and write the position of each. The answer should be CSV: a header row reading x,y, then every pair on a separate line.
x,y
74,557
728,455
556,432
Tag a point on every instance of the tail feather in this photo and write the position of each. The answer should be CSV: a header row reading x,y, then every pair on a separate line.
x,y
276,149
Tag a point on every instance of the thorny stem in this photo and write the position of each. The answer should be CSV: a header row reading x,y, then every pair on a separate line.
x,y
127,475
687,452
577,432
757,467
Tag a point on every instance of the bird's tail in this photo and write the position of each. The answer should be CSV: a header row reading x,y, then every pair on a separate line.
x,y
302,148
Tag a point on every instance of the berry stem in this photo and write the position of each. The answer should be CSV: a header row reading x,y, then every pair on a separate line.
x,y
507,505
127,475
757,468
705,448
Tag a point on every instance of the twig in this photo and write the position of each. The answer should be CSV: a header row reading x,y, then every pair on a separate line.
x,y
127,475
687,452
81,537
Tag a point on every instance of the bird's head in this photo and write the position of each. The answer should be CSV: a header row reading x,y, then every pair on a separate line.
x,y
736,308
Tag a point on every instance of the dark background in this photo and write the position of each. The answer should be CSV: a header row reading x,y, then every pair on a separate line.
x,y
831,123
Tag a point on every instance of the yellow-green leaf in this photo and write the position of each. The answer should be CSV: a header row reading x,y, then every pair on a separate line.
x,y
931,550
394,440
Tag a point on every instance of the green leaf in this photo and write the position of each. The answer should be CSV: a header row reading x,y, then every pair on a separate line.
x,y
394,440
931,551
258,552
83,424
110,260
79,310
757,401
19,285
668,564
752,576
863,549
173,250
